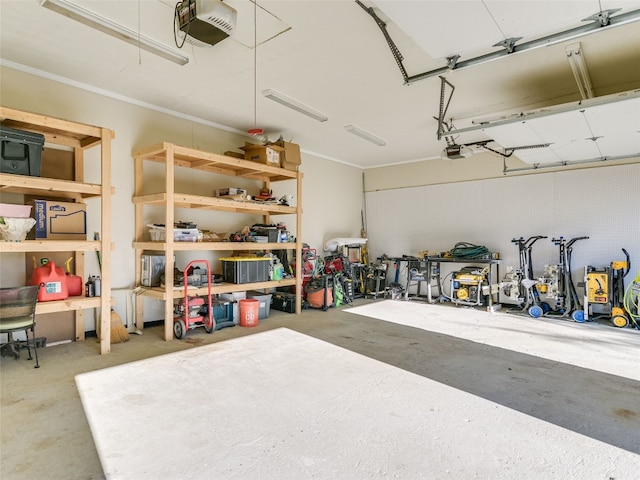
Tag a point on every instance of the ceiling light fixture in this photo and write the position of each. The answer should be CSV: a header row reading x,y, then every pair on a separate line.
x,y
104,25
368,136
294,105
579,69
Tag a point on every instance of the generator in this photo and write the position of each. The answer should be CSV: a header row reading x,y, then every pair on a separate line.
x,y
196,307
466,285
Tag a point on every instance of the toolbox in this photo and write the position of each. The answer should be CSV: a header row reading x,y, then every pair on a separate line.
x,y
284,302
21,152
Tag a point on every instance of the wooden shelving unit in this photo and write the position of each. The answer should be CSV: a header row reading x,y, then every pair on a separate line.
x,y
79,137
174,156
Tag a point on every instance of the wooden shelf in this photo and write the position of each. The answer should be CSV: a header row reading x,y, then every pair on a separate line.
x,y
51,246
182,200
69,304
78,137
214,163
160,293
48,186
174,156
214,246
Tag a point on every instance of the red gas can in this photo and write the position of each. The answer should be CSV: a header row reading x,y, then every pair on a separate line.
x,y
74,282
53,282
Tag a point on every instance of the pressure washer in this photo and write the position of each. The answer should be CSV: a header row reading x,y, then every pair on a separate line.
x,y
519,285
557,284
604,292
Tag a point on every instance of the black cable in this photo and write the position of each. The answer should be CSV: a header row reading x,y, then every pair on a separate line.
x,y
176,22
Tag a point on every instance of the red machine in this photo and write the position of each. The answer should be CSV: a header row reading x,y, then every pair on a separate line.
x,y
309,257
193,312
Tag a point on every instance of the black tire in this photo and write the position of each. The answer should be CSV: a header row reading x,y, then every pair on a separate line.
x,y
210,328
179,329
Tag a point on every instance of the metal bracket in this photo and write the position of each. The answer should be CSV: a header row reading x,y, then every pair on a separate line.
x,y
452,61
603,17
395,51
508,43
443,108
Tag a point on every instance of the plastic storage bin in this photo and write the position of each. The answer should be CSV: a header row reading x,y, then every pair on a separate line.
x,y
179,234
14,210
265,302
245,269
223,314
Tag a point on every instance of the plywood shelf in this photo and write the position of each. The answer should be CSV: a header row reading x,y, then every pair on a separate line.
x,y
161,293
173,157
215,246
78,137
214,163
51,246
182,200
69,304
48,187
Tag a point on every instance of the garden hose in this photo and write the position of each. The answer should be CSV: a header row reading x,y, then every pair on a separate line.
x,y
632,301
469,250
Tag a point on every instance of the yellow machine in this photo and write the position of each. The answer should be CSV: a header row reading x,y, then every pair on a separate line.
x,y
604,292
466,286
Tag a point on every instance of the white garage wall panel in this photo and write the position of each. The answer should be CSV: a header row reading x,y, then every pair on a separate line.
x,y
601,203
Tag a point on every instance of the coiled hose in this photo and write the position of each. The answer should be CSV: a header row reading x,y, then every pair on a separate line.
x,y
632,301
469,250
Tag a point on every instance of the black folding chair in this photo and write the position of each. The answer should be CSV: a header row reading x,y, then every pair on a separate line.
x,y
18,313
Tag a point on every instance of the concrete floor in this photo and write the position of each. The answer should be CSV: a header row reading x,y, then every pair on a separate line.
x,y
45,434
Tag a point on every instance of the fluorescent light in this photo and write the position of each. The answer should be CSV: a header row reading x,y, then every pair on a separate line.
x,y
368,136
294,105
579,69
104,25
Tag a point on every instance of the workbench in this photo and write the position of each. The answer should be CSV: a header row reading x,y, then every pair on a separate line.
x,y
430,268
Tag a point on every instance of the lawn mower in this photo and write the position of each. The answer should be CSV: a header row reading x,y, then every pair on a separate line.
x,y
193,312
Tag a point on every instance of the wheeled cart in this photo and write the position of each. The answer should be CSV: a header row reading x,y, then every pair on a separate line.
x,y
193,312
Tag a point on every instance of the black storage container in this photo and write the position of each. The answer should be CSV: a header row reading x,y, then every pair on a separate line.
x,y
285,302
21,151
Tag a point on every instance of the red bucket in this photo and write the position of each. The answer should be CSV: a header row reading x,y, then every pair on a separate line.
x,y
249,311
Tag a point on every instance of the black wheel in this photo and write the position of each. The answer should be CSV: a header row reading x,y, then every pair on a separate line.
x,y
179,328
210,328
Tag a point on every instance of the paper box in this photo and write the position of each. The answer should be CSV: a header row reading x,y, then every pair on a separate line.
x,y
267,154
291,152
59,220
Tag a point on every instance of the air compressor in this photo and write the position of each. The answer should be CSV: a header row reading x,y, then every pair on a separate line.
x,y
604,291
466,285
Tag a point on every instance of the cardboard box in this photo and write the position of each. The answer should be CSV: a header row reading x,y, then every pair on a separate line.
x,y
291,152
232,154
267,154
59,220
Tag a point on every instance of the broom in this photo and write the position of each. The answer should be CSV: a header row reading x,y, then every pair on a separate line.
x,y
119,333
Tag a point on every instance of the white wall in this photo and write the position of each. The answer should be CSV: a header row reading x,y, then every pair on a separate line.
x,y
332,192
602,203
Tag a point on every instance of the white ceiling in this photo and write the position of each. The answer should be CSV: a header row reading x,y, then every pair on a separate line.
x,y
332,56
